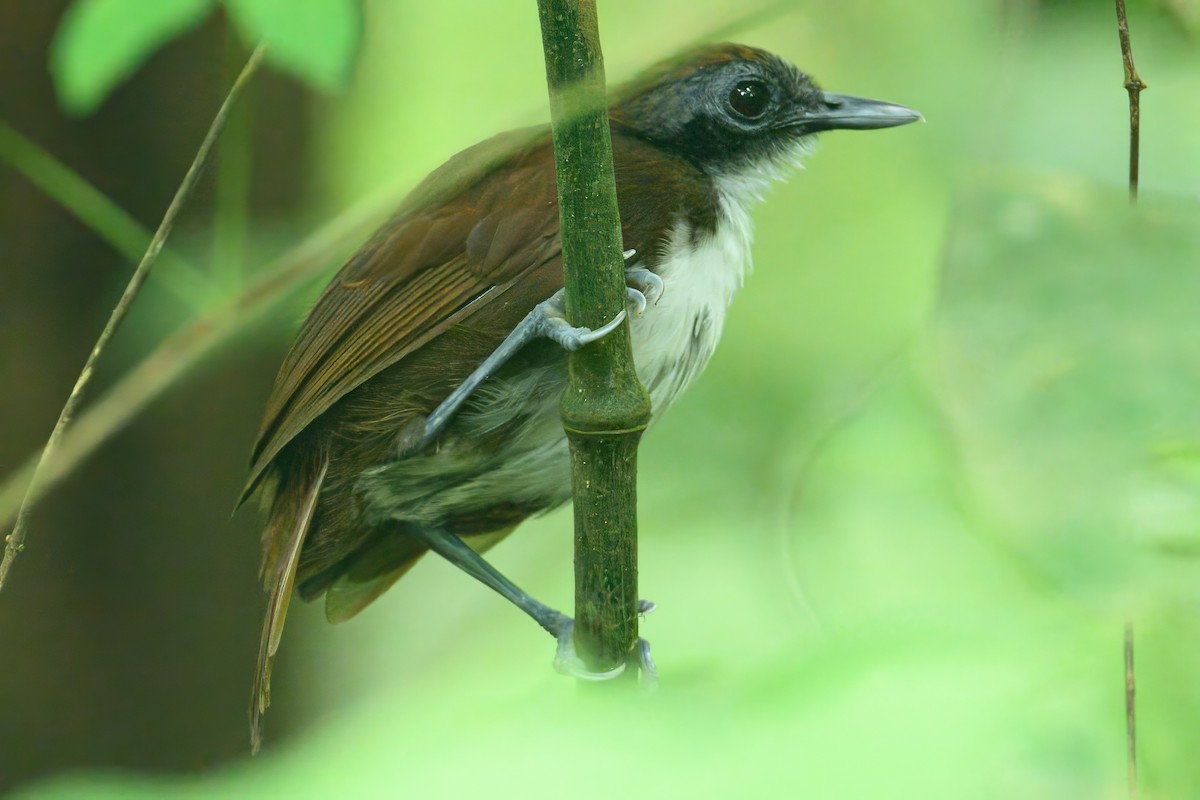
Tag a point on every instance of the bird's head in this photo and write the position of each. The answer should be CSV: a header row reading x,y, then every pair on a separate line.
x,y
730,109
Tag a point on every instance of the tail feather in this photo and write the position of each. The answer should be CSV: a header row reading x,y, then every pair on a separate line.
x,y
291,517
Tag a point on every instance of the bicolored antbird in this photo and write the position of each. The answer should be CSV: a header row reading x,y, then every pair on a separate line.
x,y
418,408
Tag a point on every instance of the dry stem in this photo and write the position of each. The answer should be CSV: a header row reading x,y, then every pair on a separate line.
x,y
15,541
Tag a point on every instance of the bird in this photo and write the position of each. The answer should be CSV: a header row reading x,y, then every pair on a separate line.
x,y
418,407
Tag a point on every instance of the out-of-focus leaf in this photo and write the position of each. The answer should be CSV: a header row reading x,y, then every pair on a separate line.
x,y
1068,343
1186,11
316,40
1039,450
101,42
889,712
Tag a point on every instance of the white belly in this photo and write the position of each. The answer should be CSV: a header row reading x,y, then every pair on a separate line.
x,y
674,339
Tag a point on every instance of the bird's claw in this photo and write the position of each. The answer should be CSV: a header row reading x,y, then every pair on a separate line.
x,y
646,284
552,323
568,662
637,300
574,338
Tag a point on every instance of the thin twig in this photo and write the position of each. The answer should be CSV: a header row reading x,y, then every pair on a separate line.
x,y
1134,85
15,542
179,353
106,219
1130,714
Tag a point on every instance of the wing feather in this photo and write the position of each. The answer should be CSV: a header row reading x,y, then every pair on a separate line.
x,y
426,271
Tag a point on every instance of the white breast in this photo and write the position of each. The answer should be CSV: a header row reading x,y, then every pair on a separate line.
x,y
674,339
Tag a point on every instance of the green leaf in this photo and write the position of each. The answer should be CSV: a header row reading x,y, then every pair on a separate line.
x,y
1068,339
1187,12
101,42
316,40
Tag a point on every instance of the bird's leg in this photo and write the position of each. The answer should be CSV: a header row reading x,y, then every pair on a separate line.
x,y
548,319
556,623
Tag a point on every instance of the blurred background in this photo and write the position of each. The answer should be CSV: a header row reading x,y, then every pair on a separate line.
x,y
949,444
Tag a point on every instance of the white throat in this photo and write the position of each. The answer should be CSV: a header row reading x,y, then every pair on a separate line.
x,y
675,338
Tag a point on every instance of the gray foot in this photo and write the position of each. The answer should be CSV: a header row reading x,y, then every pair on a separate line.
x,y
547,320
556,623
568,662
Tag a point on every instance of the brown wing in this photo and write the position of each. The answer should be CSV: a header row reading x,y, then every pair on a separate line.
x,y
470,232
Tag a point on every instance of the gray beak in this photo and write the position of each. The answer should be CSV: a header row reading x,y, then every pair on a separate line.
x,y
841,111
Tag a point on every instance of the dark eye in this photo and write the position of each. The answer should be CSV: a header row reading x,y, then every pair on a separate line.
x,y
750,98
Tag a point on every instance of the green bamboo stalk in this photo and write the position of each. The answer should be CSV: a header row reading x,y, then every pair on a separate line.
x,y
604,408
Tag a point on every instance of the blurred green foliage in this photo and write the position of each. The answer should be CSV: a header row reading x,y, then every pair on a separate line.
x,y
949,444
100,43
1067,344
315,39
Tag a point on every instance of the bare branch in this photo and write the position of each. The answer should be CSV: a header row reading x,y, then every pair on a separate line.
x,y
15,542
1131,715
1134,85
179,353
